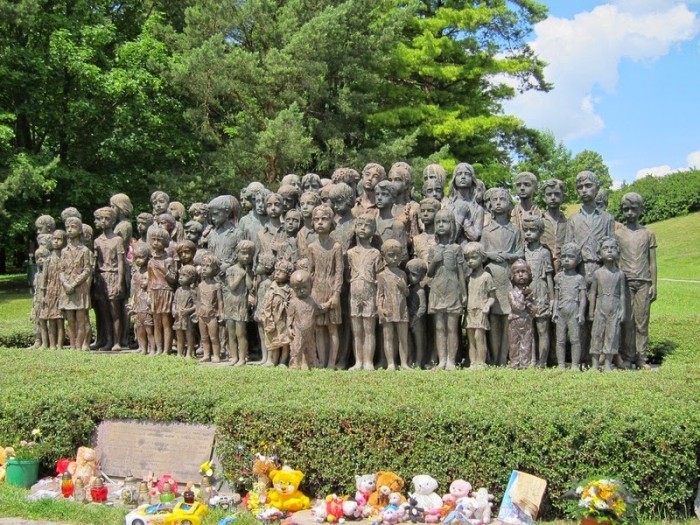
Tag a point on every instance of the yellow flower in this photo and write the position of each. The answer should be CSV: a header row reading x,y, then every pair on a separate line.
x,y
36,432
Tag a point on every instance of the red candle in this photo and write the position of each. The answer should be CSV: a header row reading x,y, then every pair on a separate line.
x,y
99,494
67,485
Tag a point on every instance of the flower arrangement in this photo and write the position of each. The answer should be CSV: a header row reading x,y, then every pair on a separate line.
x,y
604,500
28,449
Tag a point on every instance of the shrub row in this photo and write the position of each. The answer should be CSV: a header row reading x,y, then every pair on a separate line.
x,y
478,425
664,197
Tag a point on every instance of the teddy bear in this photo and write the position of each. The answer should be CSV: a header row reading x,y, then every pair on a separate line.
x,y
319,511
482,508
424,488
463,512
460,488
262,466
365,485
387,482
413,511
285,494
84,466
4,452
351,510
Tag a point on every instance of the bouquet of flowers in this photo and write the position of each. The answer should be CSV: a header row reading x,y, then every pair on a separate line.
x,y
604,500
27,449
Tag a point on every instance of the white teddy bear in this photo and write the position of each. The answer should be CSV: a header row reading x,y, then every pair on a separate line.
x,y
424,488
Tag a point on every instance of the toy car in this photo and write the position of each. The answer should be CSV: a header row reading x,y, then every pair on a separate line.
x,y
171,513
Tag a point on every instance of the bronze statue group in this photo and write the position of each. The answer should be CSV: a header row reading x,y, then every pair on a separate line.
x,y
306,272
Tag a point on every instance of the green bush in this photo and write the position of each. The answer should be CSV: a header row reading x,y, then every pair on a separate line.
x,y
664,197
477,425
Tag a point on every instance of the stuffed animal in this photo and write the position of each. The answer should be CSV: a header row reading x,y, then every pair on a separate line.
x,y
334,509
424,488
432,516
463,512
395,502
3,460
390,517
262,466
413,511
460,488
365,485
319,511
482,509
387,482
285,494
84,466
351,510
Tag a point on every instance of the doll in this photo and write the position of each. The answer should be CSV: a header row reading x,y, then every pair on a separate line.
x,y
162,276
275,315
540,261
75,278
326,269
210,308
109,279
569,306
392,290
522,312
417,308
301,315
51,287
448,292
480,299
607,305
239,285
140,302
183,311
503,246
263,272
364,262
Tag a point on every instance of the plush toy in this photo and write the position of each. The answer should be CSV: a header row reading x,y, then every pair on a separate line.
x,y
334,509
3,459
460,488
424,488
395,502
365,485
319,511
387,482
351,510
84,466
463,512
262,466
413,511
482,510
432,515
390,517
285,494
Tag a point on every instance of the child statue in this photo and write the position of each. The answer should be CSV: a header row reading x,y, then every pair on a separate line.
x,y
433,189
183,311
522,311
263,273
417,307
607,305
503,246
292,179
210,308
310,182
51,286
638,263
252,222
434,172
239,286
392,291
343,200
526,187
364,262
301,315
569,306
186,252
424,242
554,220
159,204
469,215
347,176
223,211
308,201
76,277
405,209
199,211
388,226
277,337
540,261
273,226
41,333
480,298
144,221
109,279
177,210
284,243
140,301
121,204
162,276
326,268
290,197
371,175
448,294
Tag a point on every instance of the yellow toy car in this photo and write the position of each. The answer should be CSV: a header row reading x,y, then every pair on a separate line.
x,y
187,514
179,513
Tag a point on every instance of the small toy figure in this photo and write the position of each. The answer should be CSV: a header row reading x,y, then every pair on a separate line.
x,y
210,308
392,307
526,186
468,213
162,276
51,312
364,263
326,269
290,197
239,286
638,263
448,293
569,306
424,242
275,315
554,220
75,277
139,301
263,272
301,315
540,261
109,280
308,201
417,308
503,246
183,310
523,309
371,175
480,299
607,305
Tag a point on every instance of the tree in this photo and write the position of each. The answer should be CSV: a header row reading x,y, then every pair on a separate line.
x,y
588,160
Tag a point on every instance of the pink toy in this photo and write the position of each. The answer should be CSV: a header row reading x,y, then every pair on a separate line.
x,y
166,479
460,489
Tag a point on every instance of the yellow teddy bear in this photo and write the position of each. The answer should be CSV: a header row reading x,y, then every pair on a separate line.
x,y
285,494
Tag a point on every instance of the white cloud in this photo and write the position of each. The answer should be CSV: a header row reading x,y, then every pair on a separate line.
x,y
584,54
617,184
693,161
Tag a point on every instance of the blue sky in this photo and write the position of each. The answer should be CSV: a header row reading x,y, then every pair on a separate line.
x,y
626,77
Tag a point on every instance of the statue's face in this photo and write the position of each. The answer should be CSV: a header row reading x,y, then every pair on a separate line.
x,y
160,204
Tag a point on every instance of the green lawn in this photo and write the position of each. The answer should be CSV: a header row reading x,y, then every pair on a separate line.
x,y
678,252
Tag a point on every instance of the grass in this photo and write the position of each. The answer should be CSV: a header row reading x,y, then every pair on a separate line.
x,y
678,252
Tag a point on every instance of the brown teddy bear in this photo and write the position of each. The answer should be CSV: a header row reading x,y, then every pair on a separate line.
x,y
85,466
387,482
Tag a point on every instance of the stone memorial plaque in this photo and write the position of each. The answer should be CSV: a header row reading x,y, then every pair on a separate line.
x,y
140,447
